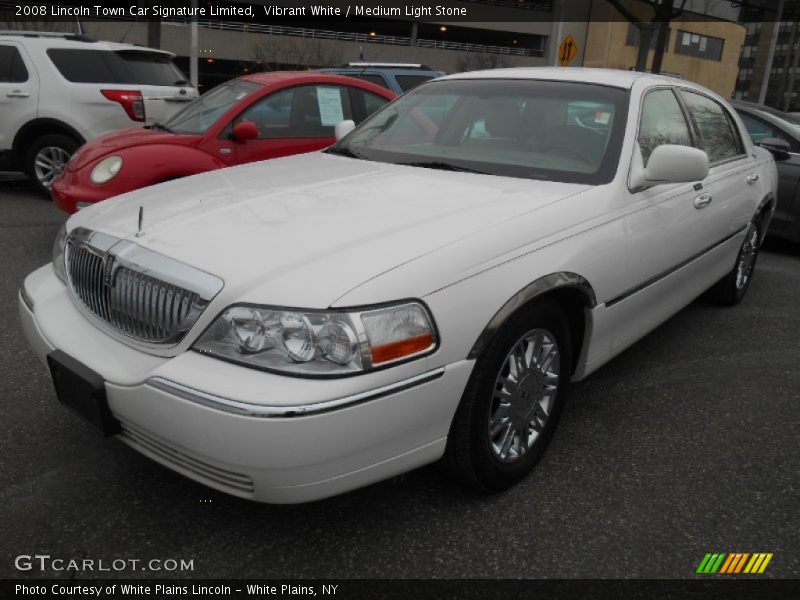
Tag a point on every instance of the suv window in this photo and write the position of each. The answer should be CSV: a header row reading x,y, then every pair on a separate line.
x,y
372,102
127,67
376,79
308,111
409,82
662,122
12,69
718,137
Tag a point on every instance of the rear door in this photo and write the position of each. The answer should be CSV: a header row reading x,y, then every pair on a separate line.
x,y
19,91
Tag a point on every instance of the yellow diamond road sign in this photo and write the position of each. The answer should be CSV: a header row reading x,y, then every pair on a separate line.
x,y
567,51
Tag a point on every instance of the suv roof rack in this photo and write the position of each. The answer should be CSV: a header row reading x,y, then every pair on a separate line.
x,y
74,37
386,65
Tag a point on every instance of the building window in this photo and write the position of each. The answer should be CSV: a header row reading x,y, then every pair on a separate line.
x,y
634,38
701,46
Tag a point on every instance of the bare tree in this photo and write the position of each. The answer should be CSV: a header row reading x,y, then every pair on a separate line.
x,y
280,53
478,61
652,18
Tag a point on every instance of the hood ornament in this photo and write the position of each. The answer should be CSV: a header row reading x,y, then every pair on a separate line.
x,y
140,233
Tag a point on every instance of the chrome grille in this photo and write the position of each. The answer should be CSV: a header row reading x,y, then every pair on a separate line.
x,y
131,298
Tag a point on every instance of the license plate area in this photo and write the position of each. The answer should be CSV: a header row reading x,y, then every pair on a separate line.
x,y
82,390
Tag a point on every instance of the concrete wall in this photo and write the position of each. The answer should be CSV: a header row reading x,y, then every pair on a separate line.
x,y
237,45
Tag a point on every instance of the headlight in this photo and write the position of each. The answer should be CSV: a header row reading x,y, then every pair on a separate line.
x,y
58,253
319,343
106,169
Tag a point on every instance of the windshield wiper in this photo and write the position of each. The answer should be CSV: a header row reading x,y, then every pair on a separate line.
x,y
161,126
442,166
344,152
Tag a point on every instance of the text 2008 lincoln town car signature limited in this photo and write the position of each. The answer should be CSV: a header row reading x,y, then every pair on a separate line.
x,y
425,288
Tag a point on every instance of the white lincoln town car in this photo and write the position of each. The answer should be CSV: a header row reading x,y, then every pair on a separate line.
x,y
424,289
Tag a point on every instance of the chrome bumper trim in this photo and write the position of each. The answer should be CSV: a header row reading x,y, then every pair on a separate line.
x,y
248,409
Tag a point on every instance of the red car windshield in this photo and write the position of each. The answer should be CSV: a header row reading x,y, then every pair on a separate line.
x,y
201,114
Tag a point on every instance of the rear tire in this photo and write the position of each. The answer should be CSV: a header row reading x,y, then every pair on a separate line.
x,y
46,158
731,289
508,413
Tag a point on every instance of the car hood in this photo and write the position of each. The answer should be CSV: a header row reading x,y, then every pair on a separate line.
x,y
120,140
305,230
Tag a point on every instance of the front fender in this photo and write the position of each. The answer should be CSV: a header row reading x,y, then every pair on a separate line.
x,y
149,164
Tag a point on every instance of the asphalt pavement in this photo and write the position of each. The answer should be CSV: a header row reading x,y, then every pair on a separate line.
x,y
687,443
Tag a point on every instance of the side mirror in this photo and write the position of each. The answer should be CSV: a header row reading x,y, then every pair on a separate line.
x,y
676,164
245,130
780,148
343,128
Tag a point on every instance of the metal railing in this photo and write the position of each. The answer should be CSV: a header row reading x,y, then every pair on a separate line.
x,y
364,38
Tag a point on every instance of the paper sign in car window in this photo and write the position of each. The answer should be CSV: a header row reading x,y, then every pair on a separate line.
x,y
330,106
601,117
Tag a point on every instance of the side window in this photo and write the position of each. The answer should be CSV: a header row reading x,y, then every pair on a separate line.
x,y
662,122
12,68
759,130
718,136
409,82
307,111
372,102
83,66
376,79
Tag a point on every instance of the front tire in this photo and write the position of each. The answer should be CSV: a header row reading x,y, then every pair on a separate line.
x,y
731,289
513,400
46,158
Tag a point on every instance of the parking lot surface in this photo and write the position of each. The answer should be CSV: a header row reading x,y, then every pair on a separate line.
x,y
685,444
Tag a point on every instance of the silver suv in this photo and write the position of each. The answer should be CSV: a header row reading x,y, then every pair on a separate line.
x,y
58,91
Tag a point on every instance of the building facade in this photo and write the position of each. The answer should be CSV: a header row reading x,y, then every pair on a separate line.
x,y
763,30
700,48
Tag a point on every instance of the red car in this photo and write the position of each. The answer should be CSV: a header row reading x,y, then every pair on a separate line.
x,y
251,118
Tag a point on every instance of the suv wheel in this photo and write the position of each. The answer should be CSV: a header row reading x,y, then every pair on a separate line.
x,y
513,400
47,157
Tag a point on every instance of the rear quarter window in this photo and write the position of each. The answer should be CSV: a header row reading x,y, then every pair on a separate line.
x,y
126,67
12,69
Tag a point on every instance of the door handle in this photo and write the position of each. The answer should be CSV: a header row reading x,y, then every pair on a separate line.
x,y
702,200
751,178
17,94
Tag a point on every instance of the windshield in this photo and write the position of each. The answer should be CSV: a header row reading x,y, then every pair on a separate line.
x,y
199,115
560,131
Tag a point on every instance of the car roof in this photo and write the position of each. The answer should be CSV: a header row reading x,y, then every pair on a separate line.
x,y
275,78
74,41
613,77
772,114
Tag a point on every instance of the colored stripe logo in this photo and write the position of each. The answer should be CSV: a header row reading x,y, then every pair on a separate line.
x,y
734,563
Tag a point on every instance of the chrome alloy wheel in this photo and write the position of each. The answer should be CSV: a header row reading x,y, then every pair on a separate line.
x,y
49,162
747,257
524,394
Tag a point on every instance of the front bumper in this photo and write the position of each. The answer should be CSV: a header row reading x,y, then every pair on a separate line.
x,y
70,193
250,433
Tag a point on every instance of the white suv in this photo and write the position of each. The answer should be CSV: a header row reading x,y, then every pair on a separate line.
x,y
59,90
